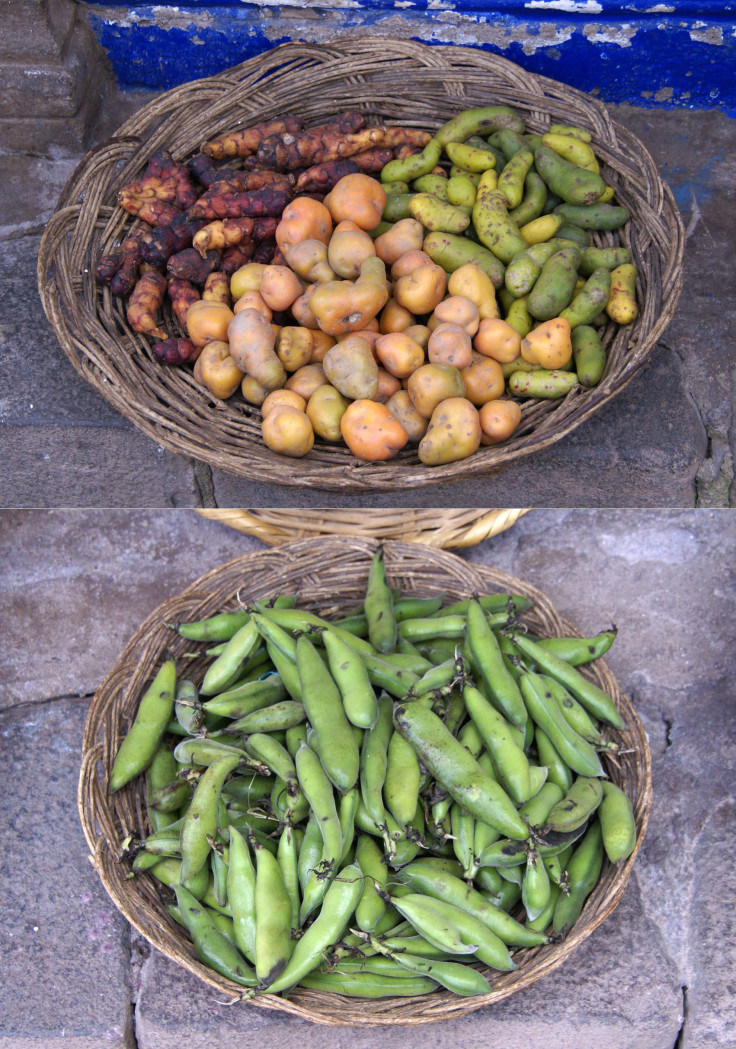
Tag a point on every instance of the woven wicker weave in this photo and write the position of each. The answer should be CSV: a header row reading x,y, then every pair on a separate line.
x,y
331,576
446,529
395,81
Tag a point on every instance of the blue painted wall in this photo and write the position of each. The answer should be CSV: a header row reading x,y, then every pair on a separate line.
x,y
675,53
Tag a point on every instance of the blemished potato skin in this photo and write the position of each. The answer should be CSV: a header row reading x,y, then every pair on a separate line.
x,y
371,432
453,433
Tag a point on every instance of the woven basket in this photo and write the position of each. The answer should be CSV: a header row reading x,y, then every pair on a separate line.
x,y
446,529
331,576
395,81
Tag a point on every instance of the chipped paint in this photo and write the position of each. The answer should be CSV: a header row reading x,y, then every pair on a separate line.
x,y
585,7
713,35
604,34
660,56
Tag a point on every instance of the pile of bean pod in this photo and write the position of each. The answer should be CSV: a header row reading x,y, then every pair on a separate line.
x,y
357,805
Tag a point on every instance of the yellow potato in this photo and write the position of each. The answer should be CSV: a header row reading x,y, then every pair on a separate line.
x,y
288,431
294,347
401,407
325,409
279,398
432,383
422,289
458,309
475,284
453,433
351,367
247,278
306,380
450,344
549,344
216,369
399,354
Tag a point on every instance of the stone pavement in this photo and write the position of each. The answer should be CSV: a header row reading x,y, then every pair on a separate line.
x,y
666,440
657,974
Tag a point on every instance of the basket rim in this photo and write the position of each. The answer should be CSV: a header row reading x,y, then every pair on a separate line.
x,y
175,414
329,1008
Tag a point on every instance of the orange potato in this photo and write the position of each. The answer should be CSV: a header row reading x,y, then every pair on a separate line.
x,y
216,369
306,380
388,385
301,312
401,407
450,344
321,343
369,334
208,321
282,397
498,420
288,431
457,309
399,354
422,289
253,300
405,235
359,198
347,251
343,306
371,432
280,287
303,219
484,380
419,333
548,345
497,339
409,261
395,317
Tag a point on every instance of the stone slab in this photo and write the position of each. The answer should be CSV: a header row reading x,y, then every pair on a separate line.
x,y
599,996
99,573
36,29
64,951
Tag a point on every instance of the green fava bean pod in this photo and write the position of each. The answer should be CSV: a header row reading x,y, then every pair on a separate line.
x,y
371,906
558,770
544,918
188,708
593,698
579,650
154,712
338,907
583,872
509,760
618,825
578,805
243,700
226,668
351,677
160,778
576,752
220,627
241,894
368,985
538,808
273,918
451,764
402,780
211,944
324,708
456,977
535,887
199,825
319,791
574,713
378,605
486,655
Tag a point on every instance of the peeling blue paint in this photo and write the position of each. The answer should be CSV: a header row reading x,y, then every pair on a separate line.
x,y
659,54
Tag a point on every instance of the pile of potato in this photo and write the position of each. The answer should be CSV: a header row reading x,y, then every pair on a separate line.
x,y
422,308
